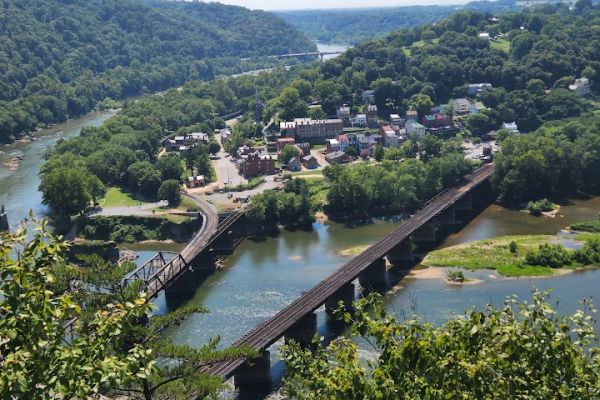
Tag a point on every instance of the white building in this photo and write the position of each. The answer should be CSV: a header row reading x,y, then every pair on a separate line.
x,y
511,127
360,120
462,106
581,86
473,89
415,128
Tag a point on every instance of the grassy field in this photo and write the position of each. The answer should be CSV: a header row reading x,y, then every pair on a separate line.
x,y
307,172
501,44
318,189
493,254
116,197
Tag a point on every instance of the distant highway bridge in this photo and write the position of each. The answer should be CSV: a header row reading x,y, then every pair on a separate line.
x,y
298,321
320,54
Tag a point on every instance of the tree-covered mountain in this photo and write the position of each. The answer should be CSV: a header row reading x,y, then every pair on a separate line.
x,y
351,26
59,58
530,58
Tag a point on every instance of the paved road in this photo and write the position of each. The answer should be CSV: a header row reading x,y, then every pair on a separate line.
x,y
271,330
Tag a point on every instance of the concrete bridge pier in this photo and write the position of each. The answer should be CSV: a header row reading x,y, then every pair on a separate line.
x,y
463,208
3,220
184,287
374,276
483,195
344,294
425,234
224,244
465,203
402,256
254,377
303,331
446,217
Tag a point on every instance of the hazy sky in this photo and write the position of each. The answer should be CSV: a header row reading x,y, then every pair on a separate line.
x,y
312,4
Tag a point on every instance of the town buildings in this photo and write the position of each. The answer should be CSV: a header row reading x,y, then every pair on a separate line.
x,y
415,128
372,119
438,123
284,141
195,181
294,164
310,162
360,120
473,89
308,129
304,148
368,96
255,164
184,142
337,157
343,113
412,115
511,127
332,145
462,106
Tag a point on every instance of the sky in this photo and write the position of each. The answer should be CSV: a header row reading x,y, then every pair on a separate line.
x,y
315,4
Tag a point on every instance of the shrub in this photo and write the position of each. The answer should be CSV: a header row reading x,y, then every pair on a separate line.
x,y
588,226
589,253
539,206
549,255
513,247
455,276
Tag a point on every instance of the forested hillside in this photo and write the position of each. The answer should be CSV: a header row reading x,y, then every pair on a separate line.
x,y
351,26
531,59
59,58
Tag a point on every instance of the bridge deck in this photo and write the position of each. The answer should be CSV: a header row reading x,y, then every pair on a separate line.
x,y
271,330
158,274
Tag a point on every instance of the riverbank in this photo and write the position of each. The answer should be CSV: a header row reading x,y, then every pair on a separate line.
x,y
504,254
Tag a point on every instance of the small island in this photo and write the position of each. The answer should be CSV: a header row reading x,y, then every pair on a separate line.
x,y
522,255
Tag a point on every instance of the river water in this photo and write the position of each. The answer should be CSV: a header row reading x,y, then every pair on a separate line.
x,y
265,275
19,189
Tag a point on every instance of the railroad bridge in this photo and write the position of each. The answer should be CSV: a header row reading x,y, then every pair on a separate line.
x,y
212,239
298,321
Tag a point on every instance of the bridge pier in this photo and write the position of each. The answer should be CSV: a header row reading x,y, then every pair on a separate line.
x,y
426,233
303,331
254,376
184,287
224,244
402,255
344,294
374,276
3,220
446,217
465,203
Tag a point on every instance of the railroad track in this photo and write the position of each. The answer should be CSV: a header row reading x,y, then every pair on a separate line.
x,y
274,328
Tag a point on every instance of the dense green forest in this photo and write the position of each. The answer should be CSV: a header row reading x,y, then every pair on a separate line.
x,y
562,156
354,25
60,58
531,60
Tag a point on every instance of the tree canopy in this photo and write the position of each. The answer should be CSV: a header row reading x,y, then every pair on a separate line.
x,y
60,59
516,351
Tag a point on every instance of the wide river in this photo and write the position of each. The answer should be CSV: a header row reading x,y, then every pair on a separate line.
x,y
265,275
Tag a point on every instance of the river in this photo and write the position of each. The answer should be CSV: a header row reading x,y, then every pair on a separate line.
x,y
19,189
263,276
